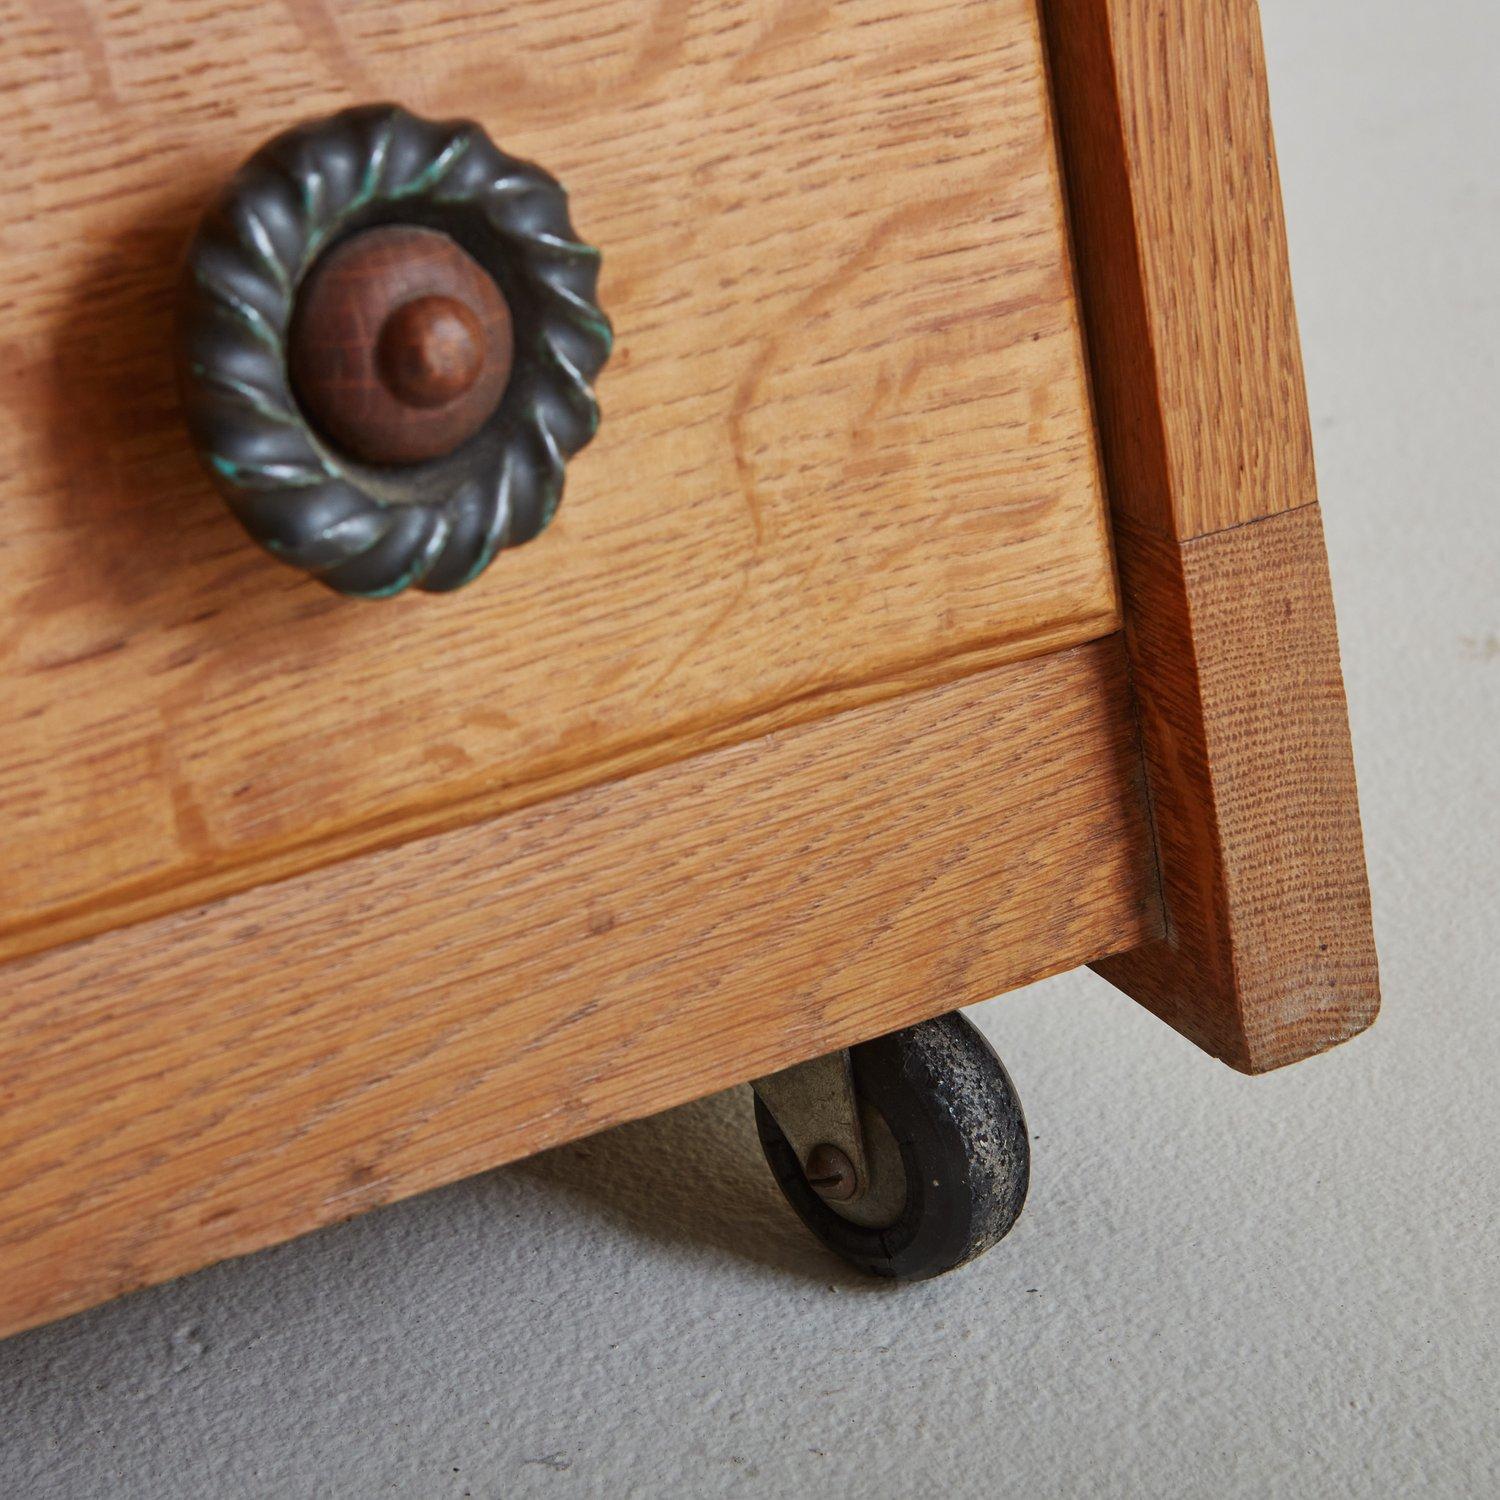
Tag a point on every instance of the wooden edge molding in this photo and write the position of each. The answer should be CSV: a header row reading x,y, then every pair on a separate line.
x,y
220,1079
1268,954
157,897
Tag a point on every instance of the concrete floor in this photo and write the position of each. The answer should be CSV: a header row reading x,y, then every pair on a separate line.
x,y
1222,1287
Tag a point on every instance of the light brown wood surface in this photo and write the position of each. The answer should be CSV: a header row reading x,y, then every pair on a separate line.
x,y
845,451
1181,253
1268,954
220,1079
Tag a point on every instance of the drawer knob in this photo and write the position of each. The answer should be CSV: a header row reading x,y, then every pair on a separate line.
x,y
432,350
401,345
387,337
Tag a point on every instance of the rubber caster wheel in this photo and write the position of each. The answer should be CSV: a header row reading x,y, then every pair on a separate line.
x,y
946,1149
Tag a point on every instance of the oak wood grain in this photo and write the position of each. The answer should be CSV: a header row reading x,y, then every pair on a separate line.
x,y
220,1079
1181,253
846,447
1268,954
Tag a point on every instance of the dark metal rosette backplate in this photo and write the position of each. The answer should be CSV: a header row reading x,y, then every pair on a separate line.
x,y
362,528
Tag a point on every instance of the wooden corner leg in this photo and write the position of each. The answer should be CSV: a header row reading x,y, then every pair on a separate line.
x,y
1268,954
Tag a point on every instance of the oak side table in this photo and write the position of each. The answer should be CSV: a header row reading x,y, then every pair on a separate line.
x,y
701,540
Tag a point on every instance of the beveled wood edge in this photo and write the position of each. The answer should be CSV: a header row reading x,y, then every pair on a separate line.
x,y
1163,123
218,1080
148,899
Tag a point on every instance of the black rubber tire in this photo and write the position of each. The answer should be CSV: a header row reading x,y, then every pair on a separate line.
x,y
955,1116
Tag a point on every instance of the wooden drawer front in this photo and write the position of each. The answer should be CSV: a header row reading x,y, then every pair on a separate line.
x,y
846,447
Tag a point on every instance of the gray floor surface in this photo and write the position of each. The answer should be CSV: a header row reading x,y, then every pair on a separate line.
x,y
1222,1287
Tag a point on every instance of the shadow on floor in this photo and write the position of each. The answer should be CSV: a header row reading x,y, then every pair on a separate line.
x,y
693,1178
691,1181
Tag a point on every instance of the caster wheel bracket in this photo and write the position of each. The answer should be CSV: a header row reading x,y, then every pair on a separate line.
x,y
945,1150
816,1108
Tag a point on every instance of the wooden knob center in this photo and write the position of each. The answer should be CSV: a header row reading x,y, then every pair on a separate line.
x,y
431,350
401,345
